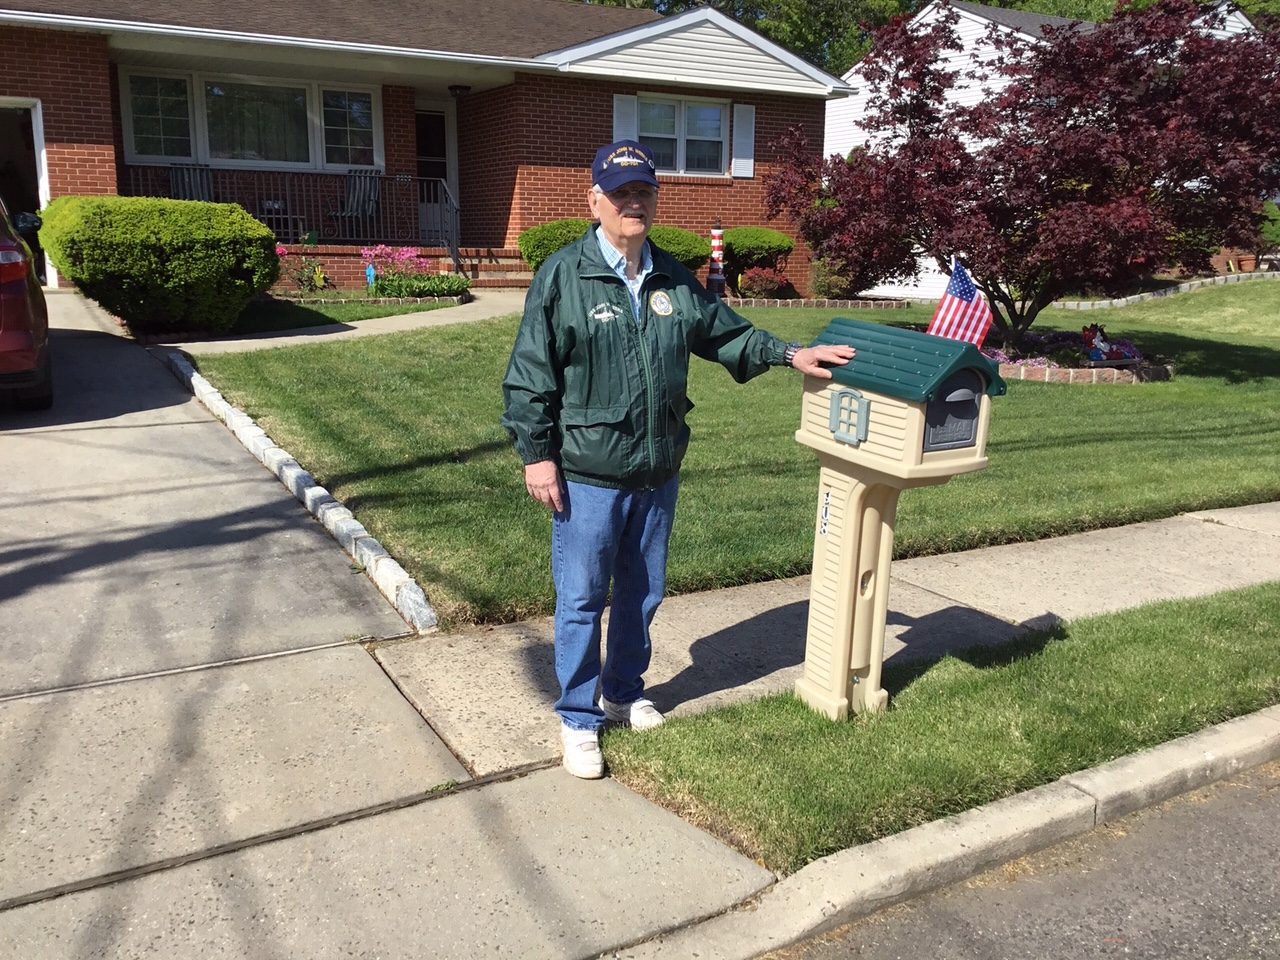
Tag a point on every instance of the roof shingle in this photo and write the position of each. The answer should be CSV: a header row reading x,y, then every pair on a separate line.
x,y
1032,24
493,28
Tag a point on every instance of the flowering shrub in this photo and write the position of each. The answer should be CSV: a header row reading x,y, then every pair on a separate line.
x,y
763,282
387,261
404,272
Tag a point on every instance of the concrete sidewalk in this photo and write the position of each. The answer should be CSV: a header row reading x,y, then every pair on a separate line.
x,y
218,741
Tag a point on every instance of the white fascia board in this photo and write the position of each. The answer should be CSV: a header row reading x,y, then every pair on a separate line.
x,y
570,57
690,80
93,24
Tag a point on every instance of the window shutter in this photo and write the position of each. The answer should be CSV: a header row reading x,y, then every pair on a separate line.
x,y
625,124
744,140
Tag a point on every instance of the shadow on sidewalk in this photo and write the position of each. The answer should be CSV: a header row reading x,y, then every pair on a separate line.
x,y
768,650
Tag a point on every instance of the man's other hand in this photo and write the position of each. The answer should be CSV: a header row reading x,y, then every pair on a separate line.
x,y
542,480
811,360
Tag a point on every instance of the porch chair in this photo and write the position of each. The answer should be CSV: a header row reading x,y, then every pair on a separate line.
x,y
357,213
190,181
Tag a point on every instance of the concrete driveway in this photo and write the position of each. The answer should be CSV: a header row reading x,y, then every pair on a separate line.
x,y
139,537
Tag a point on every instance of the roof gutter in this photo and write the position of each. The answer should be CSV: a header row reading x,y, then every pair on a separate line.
x,y
24,18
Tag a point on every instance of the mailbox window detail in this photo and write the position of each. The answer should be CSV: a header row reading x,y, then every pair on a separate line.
x,y
849,413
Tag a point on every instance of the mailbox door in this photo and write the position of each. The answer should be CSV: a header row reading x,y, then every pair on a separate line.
x,y
951,417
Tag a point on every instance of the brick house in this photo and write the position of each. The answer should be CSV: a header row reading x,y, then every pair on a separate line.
x,y
434,124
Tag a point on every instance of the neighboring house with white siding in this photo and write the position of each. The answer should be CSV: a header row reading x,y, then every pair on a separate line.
x,y
844,130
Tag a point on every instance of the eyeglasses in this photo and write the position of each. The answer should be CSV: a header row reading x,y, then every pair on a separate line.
x,y
625,195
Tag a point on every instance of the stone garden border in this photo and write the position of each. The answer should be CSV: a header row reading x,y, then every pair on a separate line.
x,y
1168,292
898,302
1142,373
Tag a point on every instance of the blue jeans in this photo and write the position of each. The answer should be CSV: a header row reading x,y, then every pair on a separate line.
x,y
607,535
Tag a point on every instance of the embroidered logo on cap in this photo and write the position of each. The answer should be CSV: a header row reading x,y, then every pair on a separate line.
x,y
625,157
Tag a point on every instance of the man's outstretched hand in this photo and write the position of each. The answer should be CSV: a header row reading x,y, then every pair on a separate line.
x,y
815,360
542,480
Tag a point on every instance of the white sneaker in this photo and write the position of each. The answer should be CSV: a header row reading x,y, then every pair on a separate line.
x,y
639,714
582,756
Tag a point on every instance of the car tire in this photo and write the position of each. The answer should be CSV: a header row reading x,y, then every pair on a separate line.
x,y
39,397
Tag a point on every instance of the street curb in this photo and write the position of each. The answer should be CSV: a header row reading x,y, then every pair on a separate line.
x,y
391,579
856,882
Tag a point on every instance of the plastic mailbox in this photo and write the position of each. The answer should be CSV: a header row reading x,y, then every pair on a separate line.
x,y
910,410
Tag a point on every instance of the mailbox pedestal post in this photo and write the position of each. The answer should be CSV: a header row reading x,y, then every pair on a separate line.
x,y
910,410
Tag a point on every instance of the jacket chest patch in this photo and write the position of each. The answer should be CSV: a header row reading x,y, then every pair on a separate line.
x,y
603,313
660,303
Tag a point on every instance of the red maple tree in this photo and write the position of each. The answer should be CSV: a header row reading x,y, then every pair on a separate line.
x,y
1114,150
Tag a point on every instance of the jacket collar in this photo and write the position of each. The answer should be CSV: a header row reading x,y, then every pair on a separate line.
x,y
591,262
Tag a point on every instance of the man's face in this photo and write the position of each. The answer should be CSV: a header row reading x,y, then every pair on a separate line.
x,y
625,214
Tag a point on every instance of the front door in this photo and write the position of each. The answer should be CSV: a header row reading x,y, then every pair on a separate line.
x,y
433,173
19,175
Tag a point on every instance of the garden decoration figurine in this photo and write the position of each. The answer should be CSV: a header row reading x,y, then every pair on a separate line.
x,y
370,275
1099,348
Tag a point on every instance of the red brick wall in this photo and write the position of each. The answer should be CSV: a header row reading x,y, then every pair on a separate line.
x,y
69,74
1231,260
399,131
524,153
491,142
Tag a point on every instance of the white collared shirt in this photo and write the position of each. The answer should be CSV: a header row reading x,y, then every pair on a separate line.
x,y
618,261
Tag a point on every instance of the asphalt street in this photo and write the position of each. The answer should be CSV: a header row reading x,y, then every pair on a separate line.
x,y
1192,878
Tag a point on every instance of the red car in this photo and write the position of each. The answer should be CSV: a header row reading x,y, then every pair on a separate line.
x,y
25,366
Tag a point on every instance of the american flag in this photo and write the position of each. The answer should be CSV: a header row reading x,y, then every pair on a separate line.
x,y
963,313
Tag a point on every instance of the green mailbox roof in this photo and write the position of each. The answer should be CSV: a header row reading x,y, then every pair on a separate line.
x,y
904,363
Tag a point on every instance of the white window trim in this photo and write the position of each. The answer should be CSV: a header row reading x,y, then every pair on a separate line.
x,y
199,126
726,144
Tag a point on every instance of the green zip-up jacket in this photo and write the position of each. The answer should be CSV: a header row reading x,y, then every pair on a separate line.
x,y
605,396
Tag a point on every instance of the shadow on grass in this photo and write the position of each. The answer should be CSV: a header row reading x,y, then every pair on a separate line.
x,y
1233,363
455,456
899,675
268,315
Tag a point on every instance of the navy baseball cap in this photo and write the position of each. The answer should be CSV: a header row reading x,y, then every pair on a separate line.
x,y
621,163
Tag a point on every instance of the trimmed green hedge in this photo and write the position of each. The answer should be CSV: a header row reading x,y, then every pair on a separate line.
x,y
746,247
685,245
538,243
750,250
161,265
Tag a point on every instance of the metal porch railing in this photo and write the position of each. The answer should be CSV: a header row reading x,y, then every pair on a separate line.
x,y
360,207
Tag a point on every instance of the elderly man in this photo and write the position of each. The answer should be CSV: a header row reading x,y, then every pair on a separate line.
x,y
595,404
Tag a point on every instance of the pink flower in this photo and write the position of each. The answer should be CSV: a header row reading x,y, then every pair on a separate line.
x,y
281,252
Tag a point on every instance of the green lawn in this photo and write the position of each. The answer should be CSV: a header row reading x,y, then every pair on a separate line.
x,y
404,429
269,314
788,787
